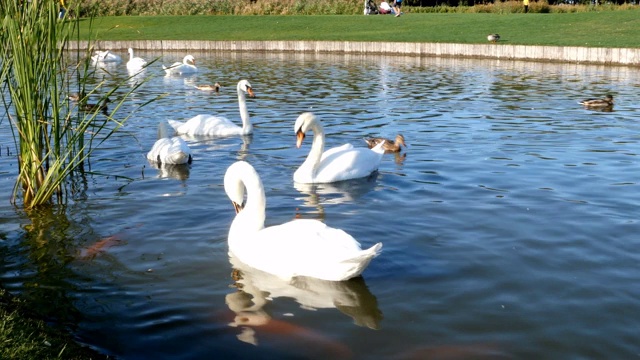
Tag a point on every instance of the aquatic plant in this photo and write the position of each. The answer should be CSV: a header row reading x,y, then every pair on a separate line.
x,y
54,136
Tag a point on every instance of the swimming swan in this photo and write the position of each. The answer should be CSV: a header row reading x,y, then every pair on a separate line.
x,y
301,247
105,57
186,67
135,63
169,150
211,125
336,164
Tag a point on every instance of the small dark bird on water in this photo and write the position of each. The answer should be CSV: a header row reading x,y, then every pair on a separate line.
x,y
96,107
607,102
215,87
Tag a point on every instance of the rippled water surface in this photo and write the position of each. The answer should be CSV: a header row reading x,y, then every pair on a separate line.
x,y
510,224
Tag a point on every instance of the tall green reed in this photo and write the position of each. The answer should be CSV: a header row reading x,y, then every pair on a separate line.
x,y
54,136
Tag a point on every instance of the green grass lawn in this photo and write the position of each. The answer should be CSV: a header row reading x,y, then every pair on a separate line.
x,y
593,29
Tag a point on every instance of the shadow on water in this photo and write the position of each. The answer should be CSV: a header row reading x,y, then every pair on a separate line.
x,y
49,245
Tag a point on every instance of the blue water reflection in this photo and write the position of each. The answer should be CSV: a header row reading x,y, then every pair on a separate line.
x,y
509,224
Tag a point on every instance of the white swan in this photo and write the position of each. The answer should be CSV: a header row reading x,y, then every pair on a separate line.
x,y
135,64
300,247
169,150
186,67
336,164
211,125
106,57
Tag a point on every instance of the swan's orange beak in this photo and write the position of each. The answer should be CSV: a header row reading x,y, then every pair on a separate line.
x,y
237,207
250,92
299,137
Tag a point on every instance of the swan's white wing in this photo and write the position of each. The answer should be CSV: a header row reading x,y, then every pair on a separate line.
x,y
106,57
207,125
348,164
112,58
173,68
175,124
336,149
305,248
180,69
136,63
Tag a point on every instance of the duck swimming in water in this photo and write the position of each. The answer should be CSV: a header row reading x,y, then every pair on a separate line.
x,y
389,145
607,102
96,107
215,87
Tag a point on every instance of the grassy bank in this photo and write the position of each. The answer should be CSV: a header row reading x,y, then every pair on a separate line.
x,y
24,335
591,29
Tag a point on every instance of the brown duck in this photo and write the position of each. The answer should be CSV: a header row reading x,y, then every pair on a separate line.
x,y
96,107
607,102
389,145
215,87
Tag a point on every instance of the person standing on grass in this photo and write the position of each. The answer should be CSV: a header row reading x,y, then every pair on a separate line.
x,y
526,5
396,6
63,10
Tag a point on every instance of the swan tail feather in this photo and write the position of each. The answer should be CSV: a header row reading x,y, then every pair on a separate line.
x,y
358,263
379,148
174,124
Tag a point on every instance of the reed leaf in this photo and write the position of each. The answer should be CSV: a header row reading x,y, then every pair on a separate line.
x,y
55,138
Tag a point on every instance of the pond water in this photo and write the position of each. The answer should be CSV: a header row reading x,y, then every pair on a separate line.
x,y
510,224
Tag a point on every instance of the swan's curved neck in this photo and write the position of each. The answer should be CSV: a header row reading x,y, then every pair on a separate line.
x,y
317,147
244,112
251,218
163,132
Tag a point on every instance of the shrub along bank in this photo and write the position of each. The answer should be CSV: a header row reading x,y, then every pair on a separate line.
x,y
319,7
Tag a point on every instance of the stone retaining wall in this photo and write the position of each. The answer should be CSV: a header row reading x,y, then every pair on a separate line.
x,y
607,56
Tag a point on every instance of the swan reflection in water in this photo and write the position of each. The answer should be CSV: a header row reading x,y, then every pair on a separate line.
x,y
211,145
178,172
136,77
317,195
256,289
